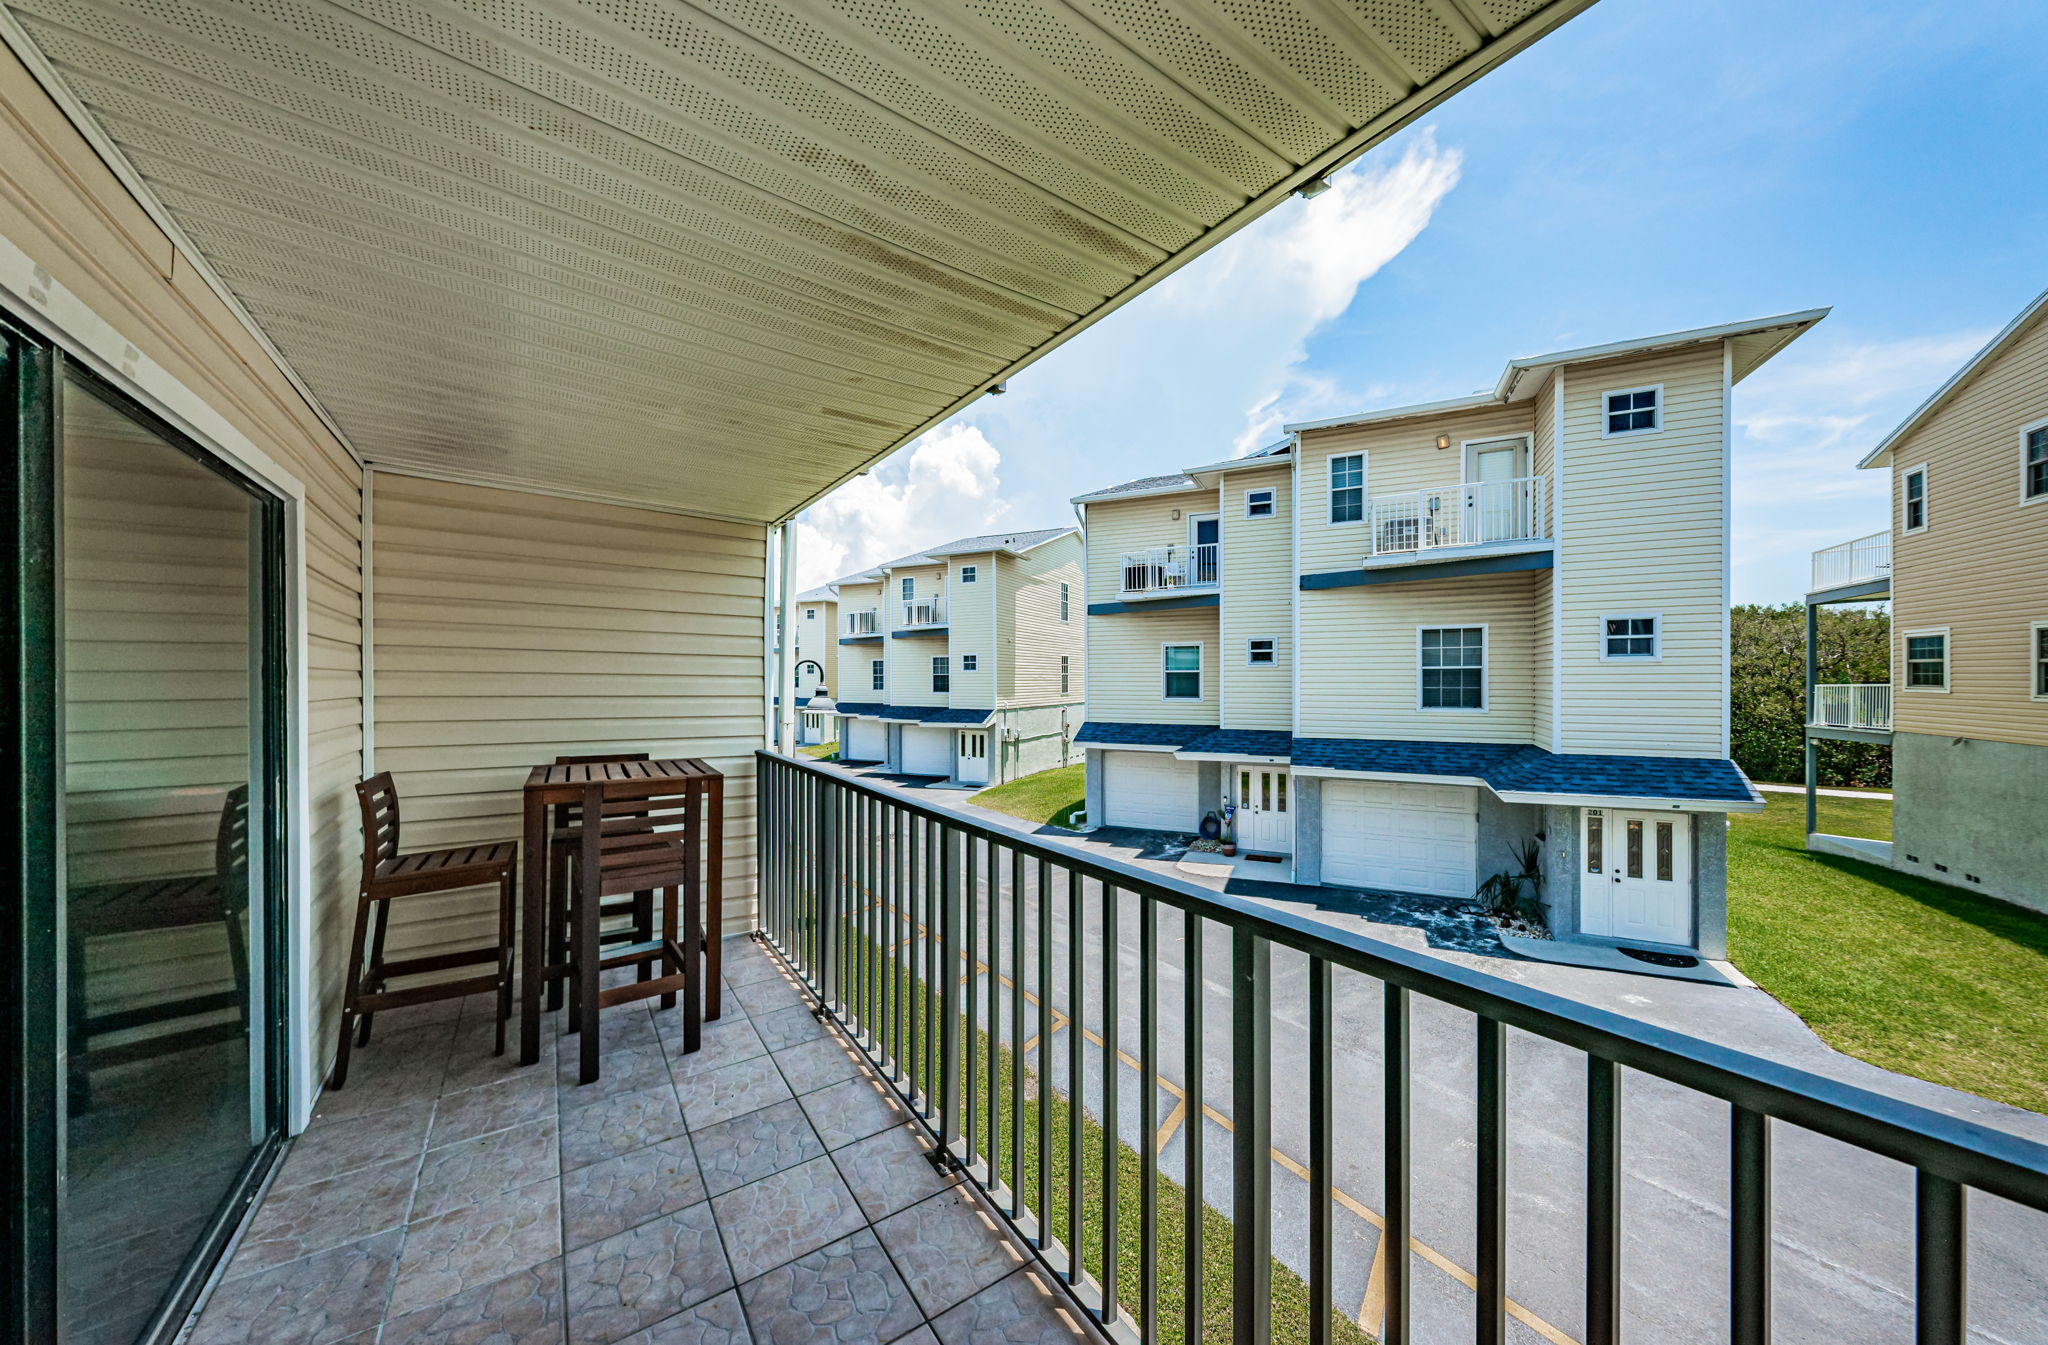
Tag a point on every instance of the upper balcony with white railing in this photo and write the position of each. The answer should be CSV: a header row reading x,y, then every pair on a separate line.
x,y
1864,561
1159,571
922,612
1866,706
868,622
1474,514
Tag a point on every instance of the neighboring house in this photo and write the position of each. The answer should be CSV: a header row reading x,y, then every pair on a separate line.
x,y
817,659
1408,644
1965,565
964,661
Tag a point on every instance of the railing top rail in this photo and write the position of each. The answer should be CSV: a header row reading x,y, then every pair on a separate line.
x,y
1456,486
1974,1155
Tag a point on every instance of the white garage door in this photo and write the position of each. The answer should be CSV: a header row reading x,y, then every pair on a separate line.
x,y
1150,790
1404,838
927,751
864,740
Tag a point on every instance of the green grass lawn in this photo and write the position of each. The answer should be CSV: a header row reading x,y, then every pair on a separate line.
x,y
822,751
1048,797
1911,975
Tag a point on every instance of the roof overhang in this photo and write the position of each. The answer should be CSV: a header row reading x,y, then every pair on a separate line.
x,y
605,250
1960,379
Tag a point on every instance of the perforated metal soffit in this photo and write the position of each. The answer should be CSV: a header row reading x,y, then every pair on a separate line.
x,y
716,255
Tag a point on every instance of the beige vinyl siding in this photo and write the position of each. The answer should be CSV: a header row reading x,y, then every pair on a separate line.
x,y
1543,626
1126,671
856,660
1257,560
1981,567
1643,533
818,640
1117,526
64,208
511,628
910,659
1033,638
1359,673
1400,456
972,623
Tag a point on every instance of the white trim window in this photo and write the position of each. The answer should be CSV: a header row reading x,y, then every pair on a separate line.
x,y
1180,667
970,663
909,588
1913,499
942,677
1066,673
1261,503
878,675
1066,599
2034,462
2037,660
1634,637
966,574
1927,656
1261,651
1632,411
810,614
1450,664
1347,488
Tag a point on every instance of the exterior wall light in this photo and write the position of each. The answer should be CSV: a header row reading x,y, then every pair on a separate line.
x,y
998,389
1443,441
1312,188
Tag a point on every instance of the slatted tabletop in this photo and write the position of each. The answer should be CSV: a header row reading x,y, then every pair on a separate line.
x,y
565,783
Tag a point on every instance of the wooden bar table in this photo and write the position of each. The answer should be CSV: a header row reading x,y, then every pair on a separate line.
x,y
547,786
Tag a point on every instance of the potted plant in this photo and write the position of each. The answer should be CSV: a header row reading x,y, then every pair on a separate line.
x,y
1229,829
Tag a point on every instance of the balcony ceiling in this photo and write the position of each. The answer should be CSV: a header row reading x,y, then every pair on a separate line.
x,y
718,255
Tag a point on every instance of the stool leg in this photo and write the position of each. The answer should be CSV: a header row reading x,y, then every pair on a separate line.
x,y
373,974
558,918
589,956
693,960
506,887
643,929
349,993
669,929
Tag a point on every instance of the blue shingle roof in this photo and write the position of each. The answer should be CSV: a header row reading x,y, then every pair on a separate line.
x,y
1402,757
857,708
1105,734
970,718
1535,771
1243,743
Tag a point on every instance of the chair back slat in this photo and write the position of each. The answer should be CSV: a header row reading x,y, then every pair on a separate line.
x,y
568,814
231,850
379,799
638,840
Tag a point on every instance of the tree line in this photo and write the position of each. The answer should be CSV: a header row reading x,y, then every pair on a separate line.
x,y
1767,690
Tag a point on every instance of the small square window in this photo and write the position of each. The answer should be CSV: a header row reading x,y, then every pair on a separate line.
x,y
1624,637
1634,410
1927,660
1259,653
942,680
1183,668
1453,668
1258,504
966,574
1347,488
878,675
2034,463
970,662
810,614
1913,490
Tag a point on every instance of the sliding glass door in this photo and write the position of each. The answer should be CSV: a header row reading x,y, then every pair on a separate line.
x,y
159,923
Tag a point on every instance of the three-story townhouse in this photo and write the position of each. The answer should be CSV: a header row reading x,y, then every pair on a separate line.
x,y
973,654
1496,629
817,659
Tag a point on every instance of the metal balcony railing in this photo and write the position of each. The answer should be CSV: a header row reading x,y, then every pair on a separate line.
x,y
1852,705
1474,514
863,623
989,975
924,612
1160,568
1856,562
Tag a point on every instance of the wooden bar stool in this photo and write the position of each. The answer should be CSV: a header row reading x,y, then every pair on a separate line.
x,y
564,832
389,875
643,841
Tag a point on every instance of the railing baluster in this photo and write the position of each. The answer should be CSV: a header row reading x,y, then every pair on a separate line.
x,y
1110,1240
971,1033
1603,1202
1749,1226
933,999
1399,1229
1492,1183
1075,1171
1016,1031
1251,1041
1148,1114
995,1018
1191,1126
1044,893
1940,1253
951,897
1322,1150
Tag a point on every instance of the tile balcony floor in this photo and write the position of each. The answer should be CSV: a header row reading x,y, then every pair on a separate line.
x,y
768,1188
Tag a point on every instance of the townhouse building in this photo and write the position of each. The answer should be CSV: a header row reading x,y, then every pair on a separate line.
x,y
814,621
1964,564
1410,646
964,661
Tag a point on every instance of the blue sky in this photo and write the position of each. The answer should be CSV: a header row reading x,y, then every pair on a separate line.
x,y
1651,167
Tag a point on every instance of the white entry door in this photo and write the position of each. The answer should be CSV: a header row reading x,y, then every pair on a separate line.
x,y
1638,876
1265,818
1400,837
973,749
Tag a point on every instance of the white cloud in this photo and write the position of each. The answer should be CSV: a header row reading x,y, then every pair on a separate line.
x,y
941,486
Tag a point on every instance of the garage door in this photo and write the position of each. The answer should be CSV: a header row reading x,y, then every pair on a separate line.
x,y
865,740
1403,838
927,751
1150,790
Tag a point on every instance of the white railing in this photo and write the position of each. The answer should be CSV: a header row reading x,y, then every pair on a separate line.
x,y
1160,568
924,612
1852,705
1473,514
1856,562
863,623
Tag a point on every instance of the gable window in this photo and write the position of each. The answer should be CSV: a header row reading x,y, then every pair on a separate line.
x,y
1632,411
909,589
1183,668
966,574
1631,637
1066,664
1066,594
810,614
1347,488
1259,653
942,679
877,675
1453,668
1258,503
1913,492
1927,660
2034,462
2037,649
970,662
